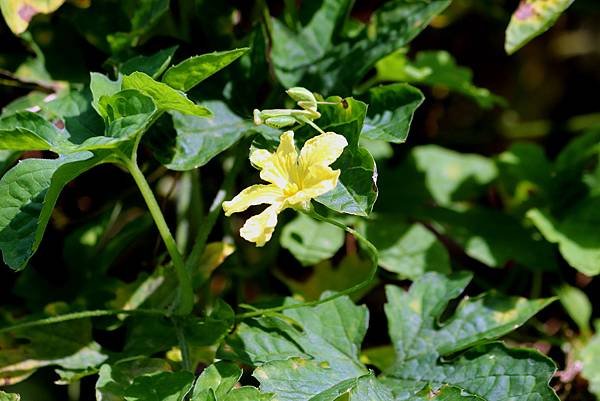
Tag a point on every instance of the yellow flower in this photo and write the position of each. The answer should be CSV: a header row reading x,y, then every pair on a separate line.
x,y
294,181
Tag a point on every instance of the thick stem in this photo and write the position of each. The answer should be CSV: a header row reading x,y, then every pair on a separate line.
x,y
186,294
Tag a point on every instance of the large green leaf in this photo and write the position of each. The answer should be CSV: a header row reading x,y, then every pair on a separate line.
x,y
313,352
28,192
68,345
198,140
575,233
532,18
7,157
356,191
405,249
320,57
491,371
190,72
437,69
29,131
390,112
311,241
165,97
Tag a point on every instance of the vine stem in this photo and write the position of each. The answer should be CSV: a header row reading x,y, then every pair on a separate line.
x,y
186,293
373,255
82,315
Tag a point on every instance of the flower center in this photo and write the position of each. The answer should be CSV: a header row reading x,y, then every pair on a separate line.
x,y
290,189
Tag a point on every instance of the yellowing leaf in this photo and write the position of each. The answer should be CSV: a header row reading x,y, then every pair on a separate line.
x,y
18,13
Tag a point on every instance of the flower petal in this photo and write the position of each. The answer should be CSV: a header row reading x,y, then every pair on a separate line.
x,y
254,195
259,228
318,181
279,168
259,156
322,149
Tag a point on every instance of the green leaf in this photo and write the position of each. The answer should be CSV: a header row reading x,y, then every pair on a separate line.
x,y
590,357
152,65
68,345
577,305
29,131
18,13
409,250
101,85
494,238
146,14
7,158
452,176
114,380
9,397
311,241
575,233
532,18
489,372
312,353
190,72
198,140
217,380
322,58
163,386
390,112
437,69
419,341
165,97
356,191
28,192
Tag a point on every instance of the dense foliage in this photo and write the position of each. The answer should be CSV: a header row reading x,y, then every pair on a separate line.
x,y
139,137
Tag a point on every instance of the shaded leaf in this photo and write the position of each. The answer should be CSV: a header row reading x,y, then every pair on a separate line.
x,y
575,233
198,140
163,386
190,72
434,68
327,276
68,345
405,249
152,65
577,305
28,192
590,357
311,241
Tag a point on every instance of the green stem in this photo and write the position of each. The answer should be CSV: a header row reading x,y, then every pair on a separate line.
x,y
215,209
373,255
183,347
81,315
186,294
